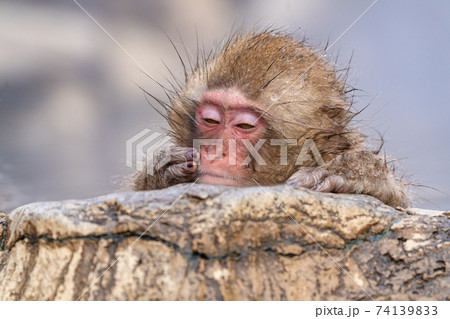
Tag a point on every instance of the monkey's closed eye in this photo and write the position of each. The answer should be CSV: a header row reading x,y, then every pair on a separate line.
x,y
245,126
211,121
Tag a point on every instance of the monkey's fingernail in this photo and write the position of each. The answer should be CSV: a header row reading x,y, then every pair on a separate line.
x,y
190,154
196,157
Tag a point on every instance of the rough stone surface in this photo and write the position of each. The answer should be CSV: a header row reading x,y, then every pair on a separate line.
x,y
206,242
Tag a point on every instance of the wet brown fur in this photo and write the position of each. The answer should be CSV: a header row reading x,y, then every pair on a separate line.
x,y
304,98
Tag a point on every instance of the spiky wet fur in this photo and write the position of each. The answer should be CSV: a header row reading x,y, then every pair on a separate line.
x,y
308,98
265,66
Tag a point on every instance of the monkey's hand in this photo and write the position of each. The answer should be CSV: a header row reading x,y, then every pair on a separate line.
x,y
354,173
172,166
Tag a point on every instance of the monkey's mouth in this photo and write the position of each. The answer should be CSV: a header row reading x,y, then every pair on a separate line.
x,y
216,179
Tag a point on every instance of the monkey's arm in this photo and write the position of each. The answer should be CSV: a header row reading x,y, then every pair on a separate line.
x,y
181,167
354,173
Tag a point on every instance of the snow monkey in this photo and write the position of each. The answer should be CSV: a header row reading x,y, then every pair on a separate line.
x,y
265,96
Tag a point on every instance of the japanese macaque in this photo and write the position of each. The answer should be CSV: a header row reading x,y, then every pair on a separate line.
x,y
265,96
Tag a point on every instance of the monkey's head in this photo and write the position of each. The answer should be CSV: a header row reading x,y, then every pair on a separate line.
x,y
261,87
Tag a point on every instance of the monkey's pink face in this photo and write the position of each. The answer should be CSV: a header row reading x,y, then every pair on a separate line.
x,y
231,120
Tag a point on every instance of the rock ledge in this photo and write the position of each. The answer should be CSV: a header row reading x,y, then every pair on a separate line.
x,y
203,242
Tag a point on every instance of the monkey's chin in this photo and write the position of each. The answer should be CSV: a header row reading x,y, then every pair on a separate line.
x,y
214,179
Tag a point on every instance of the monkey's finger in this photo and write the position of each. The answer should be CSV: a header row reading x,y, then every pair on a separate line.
x,y
307,177
183,171
183,155
193,155
189,167
333,184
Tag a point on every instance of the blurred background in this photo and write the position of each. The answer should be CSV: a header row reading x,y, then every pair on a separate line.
x,y
68,99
